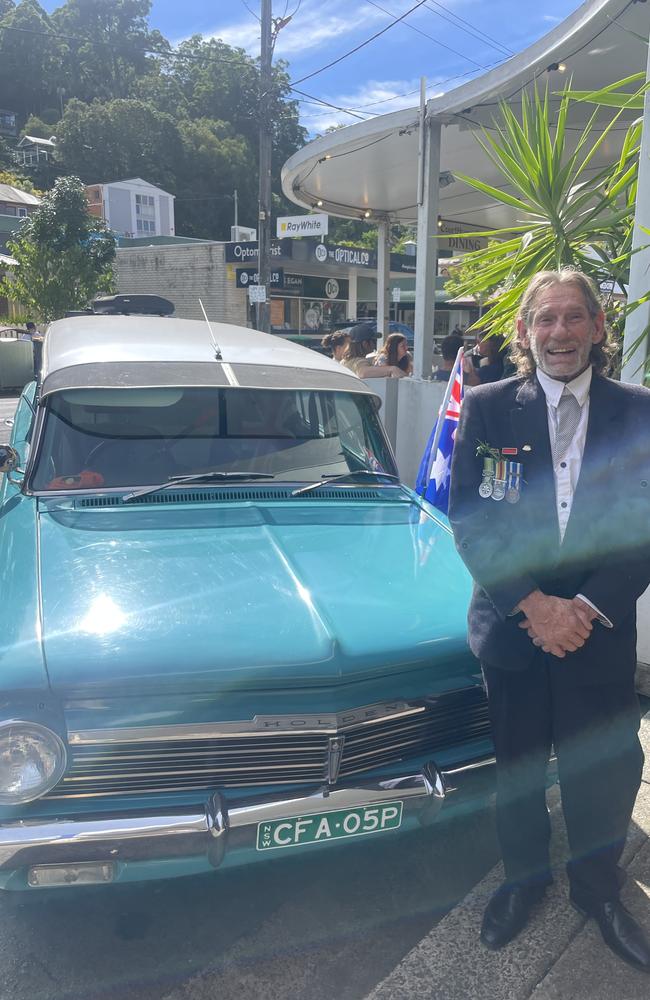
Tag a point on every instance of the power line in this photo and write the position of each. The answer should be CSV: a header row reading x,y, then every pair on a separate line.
x,y
442,45
326,104
470,29
361,45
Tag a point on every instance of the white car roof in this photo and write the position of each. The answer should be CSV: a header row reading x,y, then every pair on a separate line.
x,y
127,351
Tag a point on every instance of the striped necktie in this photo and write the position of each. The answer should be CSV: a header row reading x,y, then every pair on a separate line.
x,y
568,418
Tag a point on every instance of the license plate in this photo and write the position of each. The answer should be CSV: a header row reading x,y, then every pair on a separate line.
x,y
318,828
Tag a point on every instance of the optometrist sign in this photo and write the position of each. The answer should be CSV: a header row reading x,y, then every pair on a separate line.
x,y
302,225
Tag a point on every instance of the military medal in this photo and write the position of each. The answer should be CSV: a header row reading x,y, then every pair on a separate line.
x,y
513,487
499,485
485,489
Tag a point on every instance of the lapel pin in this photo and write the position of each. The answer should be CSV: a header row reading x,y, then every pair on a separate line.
x,y
526,447
508,451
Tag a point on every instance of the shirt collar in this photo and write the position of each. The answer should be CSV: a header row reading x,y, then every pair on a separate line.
x,y
553,389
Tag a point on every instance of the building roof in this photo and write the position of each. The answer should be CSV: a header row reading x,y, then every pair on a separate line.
x,y
37,140
16,196
139,181
601,42
128,351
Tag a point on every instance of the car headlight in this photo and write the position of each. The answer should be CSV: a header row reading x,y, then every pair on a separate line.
x,y
32,760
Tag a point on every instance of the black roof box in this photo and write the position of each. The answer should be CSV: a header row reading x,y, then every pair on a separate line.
x,y
140,305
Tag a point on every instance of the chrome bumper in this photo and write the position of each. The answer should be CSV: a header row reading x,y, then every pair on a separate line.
x,y
208,831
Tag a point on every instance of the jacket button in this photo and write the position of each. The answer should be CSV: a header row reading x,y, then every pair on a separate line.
x,y
644,482
464,545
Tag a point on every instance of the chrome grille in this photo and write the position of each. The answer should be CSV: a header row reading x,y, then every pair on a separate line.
x,y
162,766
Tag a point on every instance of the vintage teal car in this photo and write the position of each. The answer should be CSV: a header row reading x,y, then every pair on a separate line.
x,y
228,632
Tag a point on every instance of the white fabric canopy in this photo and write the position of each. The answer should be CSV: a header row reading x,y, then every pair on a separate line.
x,y
373,166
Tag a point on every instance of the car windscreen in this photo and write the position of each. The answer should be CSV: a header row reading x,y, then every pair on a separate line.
x,y
110,438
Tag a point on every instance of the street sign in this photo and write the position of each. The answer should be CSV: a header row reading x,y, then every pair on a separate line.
x,y
257,293
302,225
397,294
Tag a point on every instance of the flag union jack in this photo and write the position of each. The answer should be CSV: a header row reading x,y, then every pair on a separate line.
x,y
435,468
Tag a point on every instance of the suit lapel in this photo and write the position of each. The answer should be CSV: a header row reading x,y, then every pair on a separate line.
x,y
529,423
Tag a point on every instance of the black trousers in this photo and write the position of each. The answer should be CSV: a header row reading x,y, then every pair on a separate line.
x,y
594,732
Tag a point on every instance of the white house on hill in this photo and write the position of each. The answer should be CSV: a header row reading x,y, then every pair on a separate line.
x,y
133,207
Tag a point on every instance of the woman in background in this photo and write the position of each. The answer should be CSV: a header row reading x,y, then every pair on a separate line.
x,y
491,360
335,344
395,353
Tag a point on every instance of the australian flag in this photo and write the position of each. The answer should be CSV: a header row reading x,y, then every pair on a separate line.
x,y
435,469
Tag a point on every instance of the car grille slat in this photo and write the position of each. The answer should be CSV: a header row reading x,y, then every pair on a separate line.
x,y
161,766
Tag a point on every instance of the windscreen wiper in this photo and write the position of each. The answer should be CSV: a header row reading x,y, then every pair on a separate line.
x,y
197,477
346,476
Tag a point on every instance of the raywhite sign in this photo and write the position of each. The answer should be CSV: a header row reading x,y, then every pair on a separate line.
x,y
257,293
302,225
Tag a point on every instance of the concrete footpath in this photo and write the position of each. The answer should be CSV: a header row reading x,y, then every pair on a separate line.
x,y
559,956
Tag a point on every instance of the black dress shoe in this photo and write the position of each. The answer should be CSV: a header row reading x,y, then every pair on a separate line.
x,y
507,913
620,932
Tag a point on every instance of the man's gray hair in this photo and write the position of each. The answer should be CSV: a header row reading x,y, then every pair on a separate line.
x,y
601,352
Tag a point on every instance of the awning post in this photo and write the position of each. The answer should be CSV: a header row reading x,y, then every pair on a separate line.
x,y
383,278
426,269
637,322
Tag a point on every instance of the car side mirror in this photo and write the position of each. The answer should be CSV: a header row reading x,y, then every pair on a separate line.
x,y
9,458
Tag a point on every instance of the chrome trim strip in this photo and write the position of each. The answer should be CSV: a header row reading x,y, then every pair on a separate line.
x,y
260,725
208,830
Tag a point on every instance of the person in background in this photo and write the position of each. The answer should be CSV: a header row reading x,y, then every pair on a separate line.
x,y
395,352
362,342
335,344
489,352
449,348
36,338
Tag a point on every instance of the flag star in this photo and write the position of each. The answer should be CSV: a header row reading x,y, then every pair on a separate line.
x,y
441,469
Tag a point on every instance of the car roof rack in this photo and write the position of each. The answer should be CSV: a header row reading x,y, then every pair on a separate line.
x,y
138,305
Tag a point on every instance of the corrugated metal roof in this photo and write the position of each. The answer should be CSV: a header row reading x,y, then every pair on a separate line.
x,y
15,195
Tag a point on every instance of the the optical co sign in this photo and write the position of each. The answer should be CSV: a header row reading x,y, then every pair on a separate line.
x,y
302,225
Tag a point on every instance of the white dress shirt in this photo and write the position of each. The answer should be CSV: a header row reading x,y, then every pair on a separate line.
x,y
566,470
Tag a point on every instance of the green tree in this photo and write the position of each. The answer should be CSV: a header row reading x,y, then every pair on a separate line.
x,y
107,46
117,140
214,162
208,79
63,254
30,59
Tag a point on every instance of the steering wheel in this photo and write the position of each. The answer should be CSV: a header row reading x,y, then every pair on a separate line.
x,y
135,432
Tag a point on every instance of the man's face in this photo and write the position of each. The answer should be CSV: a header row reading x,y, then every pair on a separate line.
x,y
561,332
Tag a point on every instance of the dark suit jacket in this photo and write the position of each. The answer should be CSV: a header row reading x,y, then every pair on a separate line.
x,y
511,549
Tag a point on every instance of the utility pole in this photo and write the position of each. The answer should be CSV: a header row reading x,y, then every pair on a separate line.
x,y
263,310
236,215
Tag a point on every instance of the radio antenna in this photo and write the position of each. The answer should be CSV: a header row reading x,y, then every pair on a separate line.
x,y
217,349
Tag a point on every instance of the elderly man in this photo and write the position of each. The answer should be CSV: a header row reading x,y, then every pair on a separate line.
x,y
550,507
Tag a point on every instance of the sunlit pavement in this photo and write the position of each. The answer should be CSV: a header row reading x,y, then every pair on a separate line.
x,y
558,956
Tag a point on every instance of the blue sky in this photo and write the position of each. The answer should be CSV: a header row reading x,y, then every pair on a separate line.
x,y
435,41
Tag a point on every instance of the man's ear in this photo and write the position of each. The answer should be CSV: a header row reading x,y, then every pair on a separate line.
x,y
522,334
599,328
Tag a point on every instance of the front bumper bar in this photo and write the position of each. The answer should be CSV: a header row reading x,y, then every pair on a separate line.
x,y
207,831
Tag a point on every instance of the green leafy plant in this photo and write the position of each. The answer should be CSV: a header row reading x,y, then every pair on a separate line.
x,y
63,255
571,212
